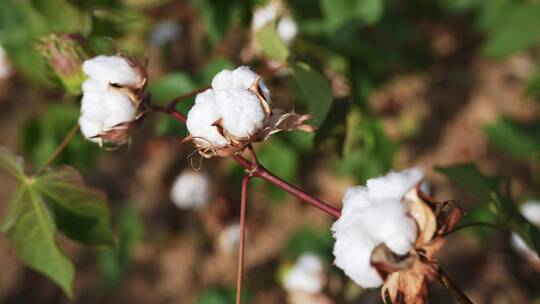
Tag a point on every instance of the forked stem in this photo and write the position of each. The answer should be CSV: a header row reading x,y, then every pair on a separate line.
x,y
261,172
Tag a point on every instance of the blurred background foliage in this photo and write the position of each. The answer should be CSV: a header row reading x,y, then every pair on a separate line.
x,y
390,83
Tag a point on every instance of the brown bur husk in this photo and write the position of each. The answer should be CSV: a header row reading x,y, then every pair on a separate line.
x,y
137,94
275,120
405,277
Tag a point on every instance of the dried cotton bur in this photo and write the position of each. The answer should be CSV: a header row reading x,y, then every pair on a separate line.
x,y
236,112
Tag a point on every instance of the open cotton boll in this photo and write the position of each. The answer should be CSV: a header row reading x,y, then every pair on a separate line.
x,y
229,238
306,275
92,106
287,29
5,67
111,69
264,15
531,211
191,189
200,119
373,215
241,111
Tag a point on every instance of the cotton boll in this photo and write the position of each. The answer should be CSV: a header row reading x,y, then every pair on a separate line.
x,y
287,29
89,129
229,238
119,107
306,275
241,111
371,216
200,119
531,211
91,85
264,15
5,67
190,189
111,69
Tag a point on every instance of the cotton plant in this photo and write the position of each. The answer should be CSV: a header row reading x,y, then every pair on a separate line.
x,y
388,233
531,211
191,190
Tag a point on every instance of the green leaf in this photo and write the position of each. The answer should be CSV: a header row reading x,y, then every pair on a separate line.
x,y
115,262
170,86
80,213
220,295
508,35
469,178
30,228
340,12
310,239
519,140
271,45
313,90
50,200
486,190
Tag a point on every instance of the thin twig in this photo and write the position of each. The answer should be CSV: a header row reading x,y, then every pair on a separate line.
x,y
69,136
472,224
457,293
241,245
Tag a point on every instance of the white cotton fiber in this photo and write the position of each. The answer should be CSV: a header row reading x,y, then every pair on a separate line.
x,y
373,215
5,67
111,69
287,29
264,15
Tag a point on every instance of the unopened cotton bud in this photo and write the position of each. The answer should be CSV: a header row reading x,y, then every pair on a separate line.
x,y
374,215
531,211
306,275
191,189
287,29
5,67
65,54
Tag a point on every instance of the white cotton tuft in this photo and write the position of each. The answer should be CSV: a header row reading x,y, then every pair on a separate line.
x,y
372,215
191,189
241,111
89,129
531,211
229,238
102,105
264,15
5,67
287,29
306,275
165,32
230,102
111,69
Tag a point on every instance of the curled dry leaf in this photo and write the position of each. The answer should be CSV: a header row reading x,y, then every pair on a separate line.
x,y
275,121
406,276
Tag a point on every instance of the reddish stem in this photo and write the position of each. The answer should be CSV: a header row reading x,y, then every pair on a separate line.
x,y
241,245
